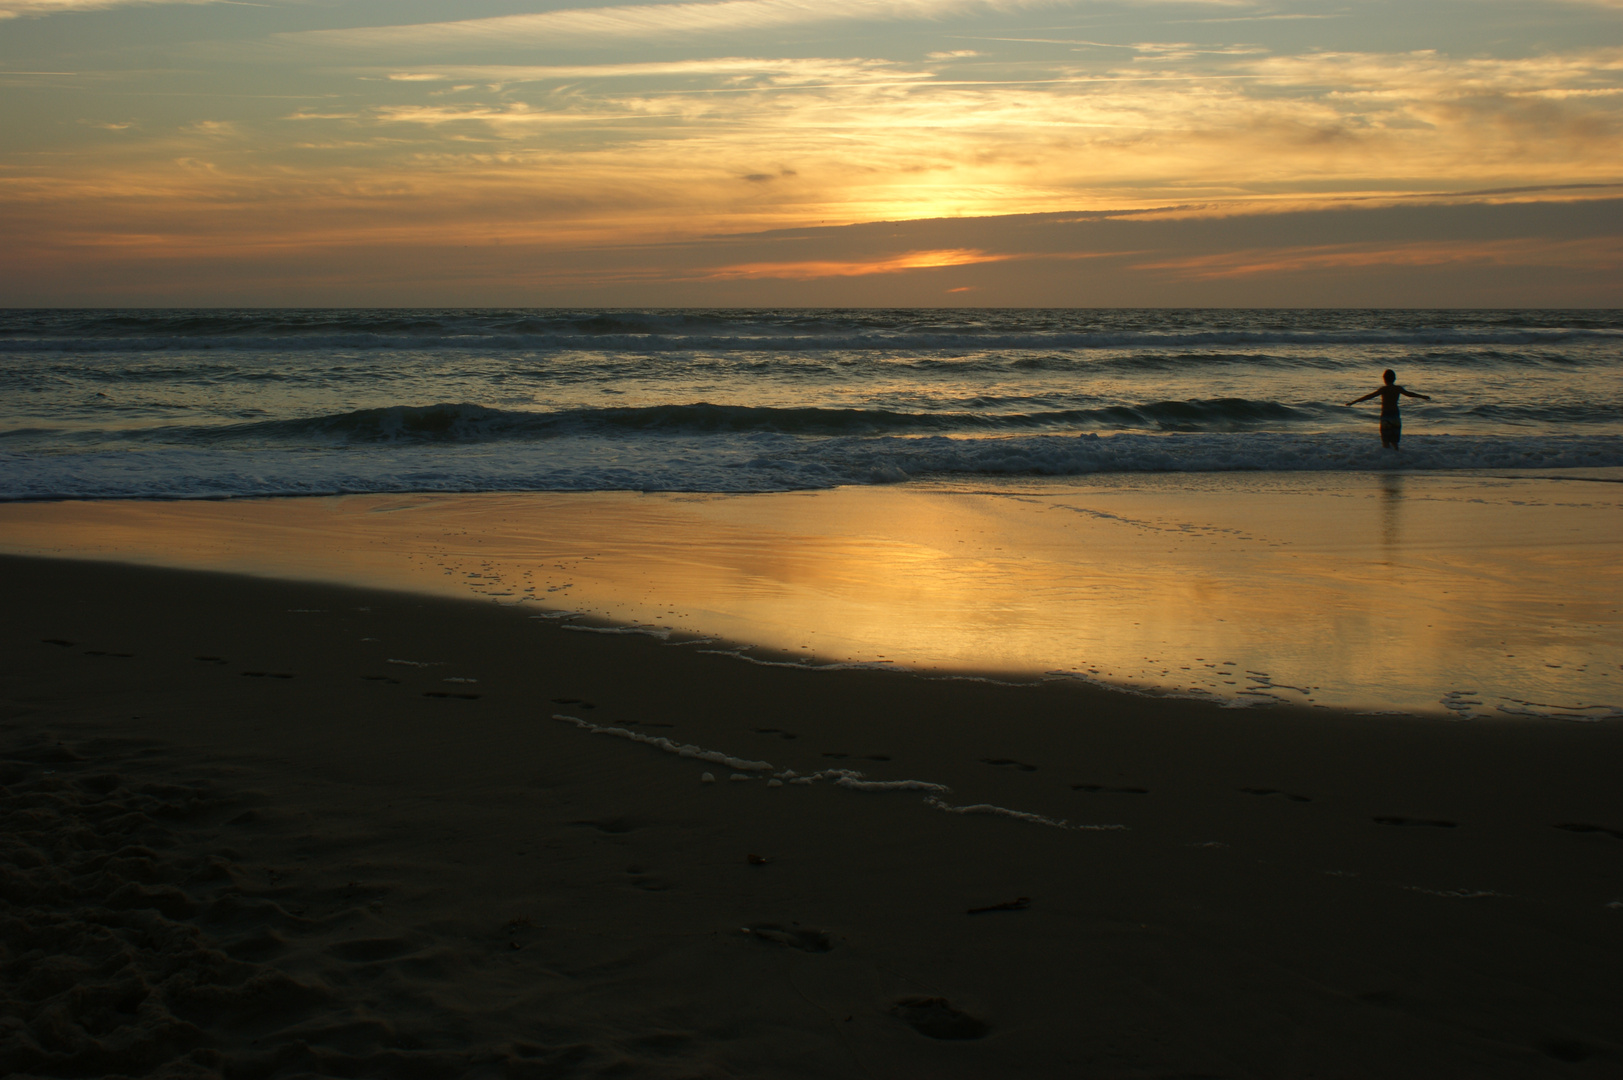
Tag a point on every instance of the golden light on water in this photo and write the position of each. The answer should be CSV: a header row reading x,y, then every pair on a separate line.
x,y
1476,594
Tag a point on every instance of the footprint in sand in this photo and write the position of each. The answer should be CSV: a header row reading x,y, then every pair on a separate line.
x,y
1275,791
649,882
371,950
1105,790
1019,903
792,936
1569,1050
57,641
260,945
1008,763
936,1018
1421,822
579,703
1585,827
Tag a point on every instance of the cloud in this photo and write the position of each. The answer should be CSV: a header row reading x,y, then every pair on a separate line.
x,y
1597,254
874,139
11,9
892,264
232,246
662,22
508,117
602,156
213,128
778,70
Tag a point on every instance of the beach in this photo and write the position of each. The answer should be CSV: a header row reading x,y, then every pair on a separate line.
x,y
809,694
261,826
768,540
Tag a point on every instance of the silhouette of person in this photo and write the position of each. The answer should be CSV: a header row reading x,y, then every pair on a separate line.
x,y
1391,419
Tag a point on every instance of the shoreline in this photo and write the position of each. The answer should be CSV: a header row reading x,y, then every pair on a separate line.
x,y
339,830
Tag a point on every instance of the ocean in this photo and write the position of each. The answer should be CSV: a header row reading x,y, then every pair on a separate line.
x,y
184,404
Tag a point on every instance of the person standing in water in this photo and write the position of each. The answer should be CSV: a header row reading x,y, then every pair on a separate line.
x,y
1391,419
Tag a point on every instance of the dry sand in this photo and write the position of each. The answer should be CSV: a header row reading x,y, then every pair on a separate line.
x,y
257,828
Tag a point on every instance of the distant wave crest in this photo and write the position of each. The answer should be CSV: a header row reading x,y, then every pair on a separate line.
x,y
716,333
450,422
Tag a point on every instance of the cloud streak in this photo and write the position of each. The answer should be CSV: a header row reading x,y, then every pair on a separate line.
x,y
11,9
1599,254
663,22
808,270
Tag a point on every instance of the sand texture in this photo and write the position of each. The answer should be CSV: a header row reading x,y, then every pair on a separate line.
x,y
267,829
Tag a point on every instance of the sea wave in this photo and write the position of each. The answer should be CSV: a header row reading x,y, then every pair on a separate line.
x,y
467,423
750,462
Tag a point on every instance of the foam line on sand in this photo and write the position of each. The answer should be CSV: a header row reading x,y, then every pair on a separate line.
x,y
1018,815
645,631
686,750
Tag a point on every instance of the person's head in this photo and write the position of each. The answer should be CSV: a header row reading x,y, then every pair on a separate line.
x,y
1390,376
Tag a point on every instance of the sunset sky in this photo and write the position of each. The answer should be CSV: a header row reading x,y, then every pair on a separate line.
x,y
910,152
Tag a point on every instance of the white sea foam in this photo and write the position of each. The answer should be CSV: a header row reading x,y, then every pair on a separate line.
x,y
849,779
1546,710
679,749
890,785
1018,815
1455,894
644,631
796,665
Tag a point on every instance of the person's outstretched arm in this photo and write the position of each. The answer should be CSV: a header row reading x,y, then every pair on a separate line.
x,y
1366,397
1410,393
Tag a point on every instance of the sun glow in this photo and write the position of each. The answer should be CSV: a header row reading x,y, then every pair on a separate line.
x,y
431,136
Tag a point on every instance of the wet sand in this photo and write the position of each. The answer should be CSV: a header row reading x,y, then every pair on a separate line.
x,y
1452,595
273,828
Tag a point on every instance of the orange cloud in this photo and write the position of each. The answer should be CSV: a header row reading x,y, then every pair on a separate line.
x,y
894,264
1600,253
